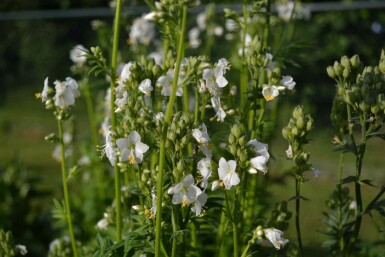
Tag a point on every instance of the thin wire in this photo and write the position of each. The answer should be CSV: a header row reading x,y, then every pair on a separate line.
x,y
105,12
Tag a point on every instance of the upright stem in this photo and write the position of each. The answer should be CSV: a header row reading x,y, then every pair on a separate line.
x,y
297,218
113,118
65,189
162,152
94,137
339,210
243,80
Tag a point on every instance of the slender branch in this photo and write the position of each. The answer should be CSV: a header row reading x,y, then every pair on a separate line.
x,y
113,118
65,189
297,217
162,152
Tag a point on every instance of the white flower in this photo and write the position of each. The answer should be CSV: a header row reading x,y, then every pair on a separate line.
x,y
204,168
153,201
201,20
227,174
216,184
269,92
185,192
285,10
206,151
259,148
269,60
77,55
201,136
22,249
142,31
275,237
102,224
259,162
316,171
125,74
158,57
220,113
131,148
166,84
66,92
289,152
218,31
109,149
46,90
215,80
145,87
231,25
353,206
288,82
193,36
121,100
199,203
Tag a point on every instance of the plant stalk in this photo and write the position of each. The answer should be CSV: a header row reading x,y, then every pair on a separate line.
x,y
162,152
297,217
113,117
65,189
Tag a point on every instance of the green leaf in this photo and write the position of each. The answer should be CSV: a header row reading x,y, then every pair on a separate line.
x,y
377,134
349,179
366,182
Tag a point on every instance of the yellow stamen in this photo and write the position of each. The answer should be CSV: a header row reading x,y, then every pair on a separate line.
x,y
185,203
38,95
269,97
212,118
131,159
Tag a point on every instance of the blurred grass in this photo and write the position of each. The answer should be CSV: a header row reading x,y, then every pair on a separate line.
x,y
24,123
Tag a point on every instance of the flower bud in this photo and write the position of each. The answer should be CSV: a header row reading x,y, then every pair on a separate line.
x,y
345,62
337,69
346,72
381,67
300,123
355,61
374,109
330,72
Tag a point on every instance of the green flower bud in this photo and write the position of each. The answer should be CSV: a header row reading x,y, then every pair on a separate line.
x,y
364,107
285,133
233,149
294,131
242,141
156,70
231,139
330,72
297,112
309,125
337,69
243,157
346,72
355,61
381,67
345,62
300,123
375,109
236,131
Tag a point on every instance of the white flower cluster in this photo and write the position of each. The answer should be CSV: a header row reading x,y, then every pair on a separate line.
x,y
213,81
65,93
142,31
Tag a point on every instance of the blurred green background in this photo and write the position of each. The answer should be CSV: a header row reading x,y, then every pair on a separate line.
x,y
32,49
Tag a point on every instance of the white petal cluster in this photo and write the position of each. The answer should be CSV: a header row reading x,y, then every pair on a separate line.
x,y
201,136
260,161
131,148
109,148
142,31
227,174
275,237
166,82
145,87
77,55
65,93
185,192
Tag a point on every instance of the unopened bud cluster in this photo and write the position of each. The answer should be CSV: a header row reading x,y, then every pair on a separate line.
x,y
7,245
179,135
238,145
296,134
344,70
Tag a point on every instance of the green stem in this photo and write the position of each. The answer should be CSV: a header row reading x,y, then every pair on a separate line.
x,y
174,231
244,254
94,137
194,243
297,217
359,161
243,79
65,189
339,210
221,229
162,152
113,118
